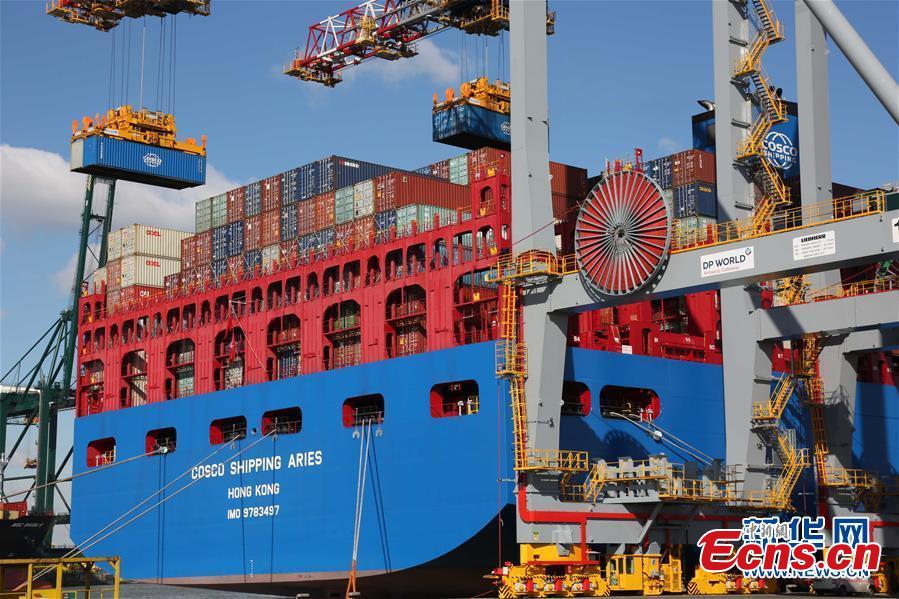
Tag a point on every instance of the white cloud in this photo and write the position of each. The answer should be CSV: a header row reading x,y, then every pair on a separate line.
x,y
438,64
668,145
37,191
63,278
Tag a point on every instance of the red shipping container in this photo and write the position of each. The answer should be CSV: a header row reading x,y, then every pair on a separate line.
x,y
324,211
112,299
568,180
196,278
114,275
343,236
306,217
691,166
188,252
565,207
289,252
235,265
397,189
202,249
487,162
271,193
136,295
271,227
364,232
173,282
235,199
252,233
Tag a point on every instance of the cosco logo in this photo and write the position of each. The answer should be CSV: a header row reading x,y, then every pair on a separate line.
x,y
207,471
350,164
153,263
779,150
152,160
153,233
506,127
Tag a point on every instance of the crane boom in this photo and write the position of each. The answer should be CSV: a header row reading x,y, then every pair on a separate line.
x,y
389,29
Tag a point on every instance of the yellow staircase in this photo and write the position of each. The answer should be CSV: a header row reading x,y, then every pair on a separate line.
x,y
772,110
866,486
511,364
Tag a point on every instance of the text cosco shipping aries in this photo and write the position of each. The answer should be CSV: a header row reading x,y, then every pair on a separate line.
x,y
301,459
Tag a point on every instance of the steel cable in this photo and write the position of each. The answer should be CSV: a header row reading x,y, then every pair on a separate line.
x,y
93,539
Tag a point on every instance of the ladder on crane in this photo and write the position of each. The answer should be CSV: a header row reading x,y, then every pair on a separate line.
x,y
512,364
772,111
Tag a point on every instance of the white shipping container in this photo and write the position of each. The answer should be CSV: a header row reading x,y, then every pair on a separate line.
x,y
363,199
98,279
152,241
147,271
271,254
114,245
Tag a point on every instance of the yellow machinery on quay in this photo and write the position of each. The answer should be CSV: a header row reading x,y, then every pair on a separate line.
x,y
48,578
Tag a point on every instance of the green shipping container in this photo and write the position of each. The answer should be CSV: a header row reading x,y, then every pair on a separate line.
x,y
343,205
203,218
219,211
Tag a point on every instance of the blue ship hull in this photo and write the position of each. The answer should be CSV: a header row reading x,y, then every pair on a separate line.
x,y
436,489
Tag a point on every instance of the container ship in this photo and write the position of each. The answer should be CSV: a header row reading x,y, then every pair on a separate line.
x,y
345,307
321,389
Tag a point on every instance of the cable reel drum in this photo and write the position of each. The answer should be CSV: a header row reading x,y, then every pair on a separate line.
x,y
623,235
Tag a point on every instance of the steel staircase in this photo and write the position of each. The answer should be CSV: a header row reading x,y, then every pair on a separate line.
x,y
511,364
772,111
865,486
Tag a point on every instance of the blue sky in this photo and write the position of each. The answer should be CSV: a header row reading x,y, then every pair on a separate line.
x,y
622,75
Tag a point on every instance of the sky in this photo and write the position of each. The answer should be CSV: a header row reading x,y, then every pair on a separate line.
x,y
622,74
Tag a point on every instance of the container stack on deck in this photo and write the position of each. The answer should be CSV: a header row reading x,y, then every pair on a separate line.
x,y
140,258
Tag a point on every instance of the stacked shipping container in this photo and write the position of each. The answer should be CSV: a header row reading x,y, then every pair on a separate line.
x,y
139,258
333,204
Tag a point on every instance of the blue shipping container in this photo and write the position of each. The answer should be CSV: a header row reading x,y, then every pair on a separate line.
x,y
781,145
660,171
289,187
308,181
328,237
252,260
288,222
219,268
235,238
221,242
695,199
384,221
141,163
252,199
472,127
336,172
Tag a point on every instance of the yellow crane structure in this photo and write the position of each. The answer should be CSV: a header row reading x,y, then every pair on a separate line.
x,y
143,126
107,14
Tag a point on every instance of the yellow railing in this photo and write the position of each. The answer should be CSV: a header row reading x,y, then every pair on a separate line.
x,y
839,290
533,263
556,460
774,407
511,358
852,477
862,204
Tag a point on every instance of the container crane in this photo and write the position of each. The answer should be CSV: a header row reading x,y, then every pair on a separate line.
x,y
123,143
389,31
107,14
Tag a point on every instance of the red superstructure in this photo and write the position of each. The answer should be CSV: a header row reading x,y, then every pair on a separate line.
x,y
386,299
